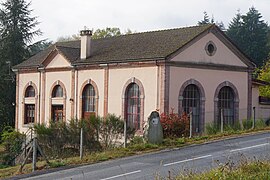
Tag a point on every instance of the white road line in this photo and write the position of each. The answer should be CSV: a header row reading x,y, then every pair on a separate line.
x,y
250,147
121,175
178,162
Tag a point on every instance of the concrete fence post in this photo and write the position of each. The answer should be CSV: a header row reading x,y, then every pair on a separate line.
x,y
34,162
254,118
125,133
190,124
221,121
81,144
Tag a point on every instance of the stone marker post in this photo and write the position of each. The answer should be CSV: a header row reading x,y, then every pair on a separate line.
x,y
155,131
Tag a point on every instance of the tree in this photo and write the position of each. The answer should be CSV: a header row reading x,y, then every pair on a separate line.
x,y
99,33
38,46
206,19
69,38
235,29
107,32
17,30
249,33
264,74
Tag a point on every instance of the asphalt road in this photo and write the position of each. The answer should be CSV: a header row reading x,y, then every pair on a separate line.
x,y
196,158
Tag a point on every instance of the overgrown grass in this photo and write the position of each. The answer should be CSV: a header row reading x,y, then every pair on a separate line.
x,y
212,128
248,171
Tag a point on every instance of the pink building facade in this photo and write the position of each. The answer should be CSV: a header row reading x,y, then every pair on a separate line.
x,y
194,69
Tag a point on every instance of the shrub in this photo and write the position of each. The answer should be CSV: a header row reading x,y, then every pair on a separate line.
x,y
61,139
111,130
12,142
137,140
91,128
174,125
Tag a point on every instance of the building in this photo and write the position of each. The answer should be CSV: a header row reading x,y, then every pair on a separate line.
x,y
194,69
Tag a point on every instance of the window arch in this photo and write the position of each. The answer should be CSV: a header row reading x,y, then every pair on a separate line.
x,y
30,91
192,98
227,102
88,101
133,104
57,91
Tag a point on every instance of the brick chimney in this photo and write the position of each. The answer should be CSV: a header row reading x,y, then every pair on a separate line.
x,y
85,43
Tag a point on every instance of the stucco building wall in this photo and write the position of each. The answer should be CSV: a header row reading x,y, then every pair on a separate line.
x,y
26,79
93,76
209,79
117,81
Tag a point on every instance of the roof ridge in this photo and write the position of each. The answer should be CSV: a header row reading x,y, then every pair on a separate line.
x,y
66,47
145,32
162,30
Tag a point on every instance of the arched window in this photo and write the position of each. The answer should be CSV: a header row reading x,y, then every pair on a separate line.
x,y
29,105
133,106
191,102
30,92
57,91
88,101
226,105
58,108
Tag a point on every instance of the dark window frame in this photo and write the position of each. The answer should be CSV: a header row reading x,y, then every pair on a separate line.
x,y
192,102
226,99
133,106
29,113
88,101
57,113
58,91
30,92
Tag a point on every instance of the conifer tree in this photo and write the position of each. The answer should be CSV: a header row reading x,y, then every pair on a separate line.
x,y
17,30
249,32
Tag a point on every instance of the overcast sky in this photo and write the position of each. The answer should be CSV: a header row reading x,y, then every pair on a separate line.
x,y
66,17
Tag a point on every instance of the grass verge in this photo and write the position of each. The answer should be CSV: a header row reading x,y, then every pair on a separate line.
x,y
133,149
248,171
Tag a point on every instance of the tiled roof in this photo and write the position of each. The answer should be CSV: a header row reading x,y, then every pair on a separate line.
x,y
131,47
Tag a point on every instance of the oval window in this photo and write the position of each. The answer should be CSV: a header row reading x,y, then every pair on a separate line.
x,y
210,48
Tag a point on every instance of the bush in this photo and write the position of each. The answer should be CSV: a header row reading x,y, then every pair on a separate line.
x,y
62,139
137,140
111,130
12,142
174,125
